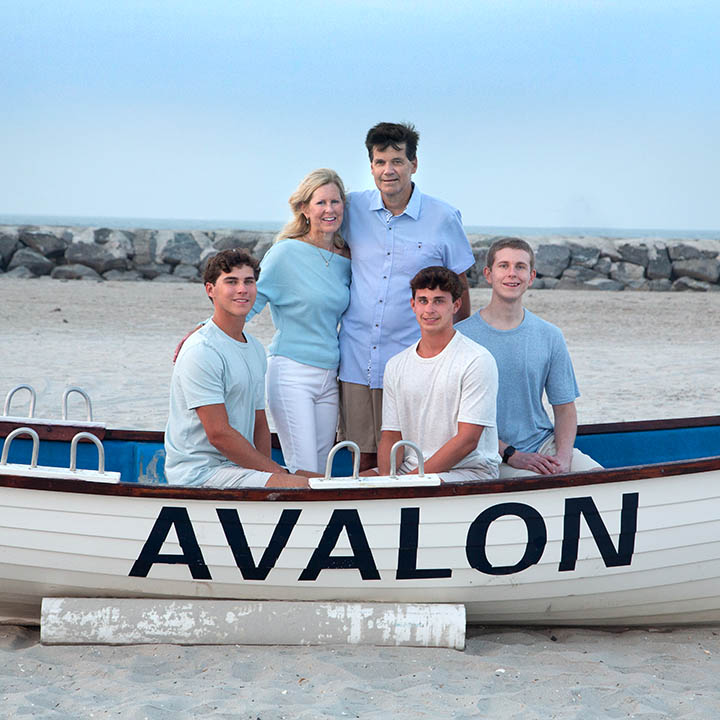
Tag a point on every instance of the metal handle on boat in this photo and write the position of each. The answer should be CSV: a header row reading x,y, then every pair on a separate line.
x,y
80,391
12,436
9,397
412,446
98,445
356,458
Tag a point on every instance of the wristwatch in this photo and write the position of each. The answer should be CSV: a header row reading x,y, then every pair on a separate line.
x,y
509,452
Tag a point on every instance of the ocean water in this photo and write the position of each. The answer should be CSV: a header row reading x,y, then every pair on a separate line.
x,y
274,226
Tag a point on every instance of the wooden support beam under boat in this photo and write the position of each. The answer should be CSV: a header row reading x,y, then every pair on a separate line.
x,y
137,621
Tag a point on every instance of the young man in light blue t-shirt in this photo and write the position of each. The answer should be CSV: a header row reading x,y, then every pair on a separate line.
x,y
217,433
532,359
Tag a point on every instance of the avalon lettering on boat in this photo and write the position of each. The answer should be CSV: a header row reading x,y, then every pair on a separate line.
x,y
361,555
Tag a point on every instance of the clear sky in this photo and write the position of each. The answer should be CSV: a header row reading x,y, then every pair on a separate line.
x,y
598,113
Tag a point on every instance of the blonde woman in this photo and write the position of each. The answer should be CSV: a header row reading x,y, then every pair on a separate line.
x,y
305,278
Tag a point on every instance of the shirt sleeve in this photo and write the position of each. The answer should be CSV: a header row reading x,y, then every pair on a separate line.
x,y
390,419
201,377
561,385
457,252
265,283
478,400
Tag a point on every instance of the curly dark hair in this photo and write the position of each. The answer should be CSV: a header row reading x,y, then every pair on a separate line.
x,y
226,260
440,278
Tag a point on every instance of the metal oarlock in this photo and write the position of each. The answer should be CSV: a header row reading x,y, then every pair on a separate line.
x,y
80,391
11,436
356,458
9,397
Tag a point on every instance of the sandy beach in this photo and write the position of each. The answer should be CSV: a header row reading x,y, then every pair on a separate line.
x,y
637,356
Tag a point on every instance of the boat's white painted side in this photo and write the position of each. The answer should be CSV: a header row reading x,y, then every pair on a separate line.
x,y
68,544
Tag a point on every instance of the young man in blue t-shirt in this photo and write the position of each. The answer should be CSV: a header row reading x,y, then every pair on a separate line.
x,y
217,433
532,358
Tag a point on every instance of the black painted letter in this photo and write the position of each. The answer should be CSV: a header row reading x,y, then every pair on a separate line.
x,y
477,538
235,535
191,554
407,568
361,558
574,507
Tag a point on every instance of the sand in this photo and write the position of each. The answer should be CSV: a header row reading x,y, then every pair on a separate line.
x,y
637,356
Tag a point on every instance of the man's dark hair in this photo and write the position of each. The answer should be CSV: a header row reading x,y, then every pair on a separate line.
x,y
383,135
437,277
226,260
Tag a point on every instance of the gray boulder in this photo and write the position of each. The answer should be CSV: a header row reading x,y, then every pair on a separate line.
x,y
684,251
548,283
8,245
660,285
151,270
658,266
19,272
602,283
551,260
34,261
246,239
112,254
144,246
627,273
103,236
188,272
603,266
74,272
704,269
184,248
636,253
688,283
583,255
45,241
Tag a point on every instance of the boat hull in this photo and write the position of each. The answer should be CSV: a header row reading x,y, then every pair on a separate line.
x,y
625,547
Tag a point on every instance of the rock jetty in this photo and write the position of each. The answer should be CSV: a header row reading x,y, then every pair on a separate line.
x,y
566,263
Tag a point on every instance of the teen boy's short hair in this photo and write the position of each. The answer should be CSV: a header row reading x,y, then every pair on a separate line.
x,y
509,242
438,278
383,135
226,260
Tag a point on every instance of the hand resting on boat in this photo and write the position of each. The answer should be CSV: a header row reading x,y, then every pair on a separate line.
x,y
238,450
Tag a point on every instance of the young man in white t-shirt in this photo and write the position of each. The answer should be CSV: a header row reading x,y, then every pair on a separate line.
x,y
217,433
441,392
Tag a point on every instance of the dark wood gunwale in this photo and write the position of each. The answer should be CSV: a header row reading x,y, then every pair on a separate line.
x,y
526,484
66,432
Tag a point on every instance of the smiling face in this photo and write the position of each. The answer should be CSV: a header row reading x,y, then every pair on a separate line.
x,y
434,310
324,210
233,293
392,171
511,274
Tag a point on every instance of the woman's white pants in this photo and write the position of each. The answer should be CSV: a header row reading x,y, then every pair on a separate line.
x,y
303,401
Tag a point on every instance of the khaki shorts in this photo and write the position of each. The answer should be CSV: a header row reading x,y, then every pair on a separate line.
x,y
360,415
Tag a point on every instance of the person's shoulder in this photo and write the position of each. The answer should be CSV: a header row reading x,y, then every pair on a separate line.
x,y
437,205
471,325
200,347
470,348
360,197
541,325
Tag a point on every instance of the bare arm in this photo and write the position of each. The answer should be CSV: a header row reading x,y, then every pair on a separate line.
x,y
261,436
387,440
455,449
230,442
464,310
565,431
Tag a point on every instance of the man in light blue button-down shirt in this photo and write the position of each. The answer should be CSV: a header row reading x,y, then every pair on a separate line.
x,y
393,232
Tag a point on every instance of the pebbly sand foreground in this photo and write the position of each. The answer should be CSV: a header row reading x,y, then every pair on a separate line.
x,y
637,356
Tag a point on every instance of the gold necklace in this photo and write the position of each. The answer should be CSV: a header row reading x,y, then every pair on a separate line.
x,y
327,261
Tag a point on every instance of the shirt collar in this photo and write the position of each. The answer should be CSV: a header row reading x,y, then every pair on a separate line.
x,y
413,206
